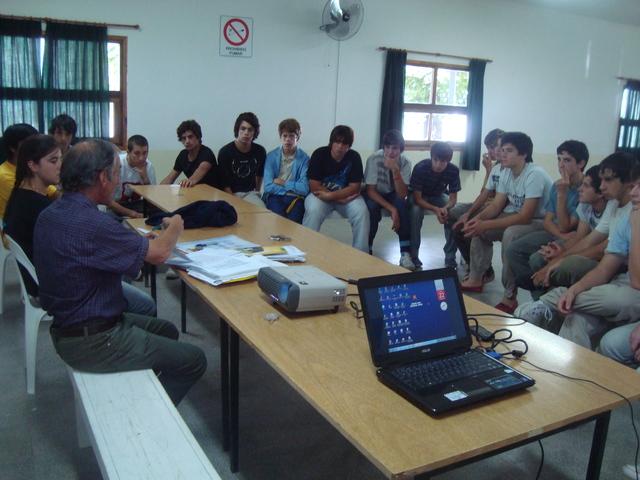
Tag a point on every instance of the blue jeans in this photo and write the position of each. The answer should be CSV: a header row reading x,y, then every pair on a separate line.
x,y
417,216
375,215
280,203
138,302
355,211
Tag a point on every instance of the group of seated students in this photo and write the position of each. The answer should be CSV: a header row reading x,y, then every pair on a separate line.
x,y
573,243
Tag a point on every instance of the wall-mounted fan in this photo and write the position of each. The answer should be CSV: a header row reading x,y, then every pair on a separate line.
x,y
342,19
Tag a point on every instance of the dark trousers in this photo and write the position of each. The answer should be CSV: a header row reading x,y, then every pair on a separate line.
x,y
136,343
375,215
281,203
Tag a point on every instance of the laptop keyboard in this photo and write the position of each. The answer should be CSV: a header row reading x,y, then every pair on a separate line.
x,y
421,375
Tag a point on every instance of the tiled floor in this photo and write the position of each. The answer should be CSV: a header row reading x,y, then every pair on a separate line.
x,y
282,437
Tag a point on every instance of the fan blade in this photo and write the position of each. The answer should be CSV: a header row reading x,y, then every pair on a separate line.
x,y
335,10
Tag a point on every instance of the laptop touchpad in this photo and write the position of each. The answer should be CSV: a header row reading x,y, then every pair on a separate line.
x,y
471,386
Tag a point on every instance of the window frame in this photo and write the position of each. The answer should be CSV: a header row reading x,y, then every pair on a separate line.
x,y
119,98
433,107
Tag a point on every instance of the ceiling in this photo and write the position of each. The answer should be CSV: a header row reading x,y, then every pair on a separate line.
x,y
619,11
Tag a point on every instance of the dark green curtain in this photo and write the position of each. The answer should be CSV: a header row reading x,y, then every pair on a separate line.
x,y
471,155
393,92
75,76
20,73
629,126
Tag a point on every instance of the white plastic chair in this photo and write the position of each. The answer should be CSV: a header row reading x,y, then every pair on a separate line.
x,y
33,314
6,257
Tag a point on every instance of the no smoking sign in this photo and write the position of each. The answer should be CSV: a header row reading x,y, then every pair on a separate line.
x,y
236,36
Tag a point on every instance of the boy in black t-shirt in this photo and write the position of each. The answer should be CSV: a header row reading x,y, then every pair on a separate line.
x,y
435,184
63,128
196,161
335,176
242,161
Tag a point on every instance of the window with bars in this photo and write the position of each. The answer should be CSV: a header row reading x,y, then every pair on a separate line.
x,y
629,121
30,92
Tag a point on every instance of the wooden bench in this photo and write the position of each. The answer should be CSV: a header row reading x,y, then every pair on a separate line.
x,y
134,428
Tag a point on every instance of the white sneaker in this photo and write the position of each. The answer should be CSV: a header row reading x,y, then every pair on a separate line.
x,y
171,274
406,262
630,471
536,313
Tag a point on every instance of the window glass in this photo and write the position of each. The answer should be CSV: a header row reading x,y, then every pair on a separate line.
x,y
448,127
418,84
415,126
113,54
452,87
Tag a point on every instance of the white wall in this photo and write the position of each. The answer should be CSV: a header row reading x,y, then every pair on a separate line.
x,y
553,74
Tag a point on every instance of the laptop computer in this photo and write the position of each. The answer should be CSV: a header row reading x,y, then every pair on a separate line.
x,y
417,322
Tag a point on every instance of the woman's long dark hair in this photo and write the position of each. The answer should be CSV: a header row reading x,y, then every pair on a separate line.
x,y
32,149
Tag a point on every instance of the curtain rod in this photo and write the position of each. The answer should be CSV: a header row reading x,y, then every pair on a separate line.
x,y
74,22
436,54
629,78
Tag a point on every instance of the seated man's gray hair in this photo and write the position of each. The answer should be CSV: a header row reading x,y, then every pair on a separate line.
x,y
83,163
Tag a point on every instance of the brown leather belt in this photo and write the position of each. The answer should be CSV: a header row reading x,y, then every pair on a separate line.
x,y
87,328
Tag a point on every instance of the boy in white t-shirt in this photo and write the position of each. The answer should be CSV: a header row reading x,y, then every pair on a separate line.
x,y
135,169
462,212
517,209
561,217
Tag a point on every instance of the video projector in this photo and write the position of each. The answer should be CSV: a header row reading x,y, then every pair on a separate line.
x,y
302,289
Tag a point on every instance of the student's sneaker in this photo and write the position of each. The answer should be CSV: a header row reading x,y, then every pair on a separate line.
x,y
489,275
416,261
171,274
536,313
630,471
406,262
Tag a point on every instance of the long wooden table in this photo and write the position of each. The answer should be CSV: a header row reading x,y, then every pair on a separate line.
x,y
325,357
172,197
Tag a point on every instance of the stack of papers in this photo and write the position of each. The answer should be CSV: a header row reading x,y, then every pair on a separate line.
x,y
229,259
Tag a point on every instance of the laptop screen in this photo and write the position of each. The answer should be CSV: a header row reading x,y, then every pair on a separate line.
x,y
417,314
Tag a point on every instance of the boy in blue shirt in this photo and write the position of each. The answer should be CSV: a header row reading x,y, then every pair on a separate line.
x,y
623,343
285,181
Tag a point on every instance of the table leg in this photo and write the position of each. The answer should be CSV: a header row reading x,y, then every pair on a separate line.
x,y
152,273
224,379
145,271
597,446
233,397
145,209
183,305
